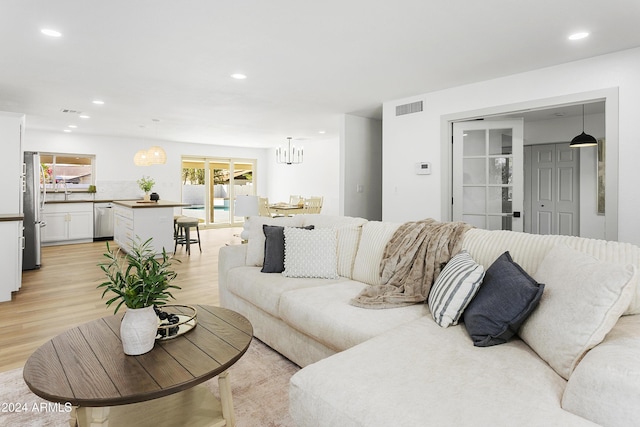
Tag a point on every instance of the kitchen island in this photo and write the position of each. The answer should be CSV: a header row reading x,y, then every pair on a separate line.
x,y
137,219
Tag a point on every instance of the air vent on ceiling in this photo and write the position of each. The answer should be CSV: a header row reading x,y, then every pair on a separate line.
x,y
414,107
66,110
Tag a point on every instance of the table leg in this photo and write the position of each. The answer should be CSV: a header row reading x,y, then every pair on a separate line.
x,y
98,416
73,417
224,386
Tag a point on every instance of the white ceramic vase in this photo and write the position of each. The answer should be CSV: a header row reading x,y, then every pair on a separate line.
x,y
138,330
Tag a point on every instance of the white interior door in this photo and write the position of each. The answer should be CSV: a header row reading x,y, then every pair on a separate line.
x,y
488,174
555,189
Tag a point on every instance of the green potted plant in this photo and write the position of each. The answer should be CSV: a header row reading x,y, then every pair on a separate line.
x,y
146,184
140,280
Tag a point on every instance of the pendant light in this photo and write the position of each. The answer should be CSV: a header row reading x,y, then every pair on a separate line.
x,y
583,140
289,155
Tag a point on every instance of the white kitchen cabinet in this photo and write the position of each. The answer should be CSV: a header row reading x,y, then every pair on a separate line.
x,y
67,223
10,257
11,172
134,220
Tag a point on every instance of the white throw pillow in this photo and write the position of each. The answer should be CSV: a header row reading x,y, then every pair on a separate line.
x,y
582,300
255,244
310,253
348,239
374,239
454,288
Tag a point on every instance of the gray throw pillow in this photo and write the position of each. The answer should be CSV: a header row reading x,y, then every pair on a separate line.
x,y
506,298
274,248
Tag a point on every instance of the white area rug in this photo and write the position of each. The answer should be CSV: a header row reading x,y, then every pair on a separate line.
x,y
259,381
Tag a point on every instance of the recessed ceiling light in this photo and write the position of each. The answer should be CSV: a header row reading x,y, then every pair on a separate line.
x,y
239,76
51,33
68,130
321,132
72,126
84,116
98,102
578,36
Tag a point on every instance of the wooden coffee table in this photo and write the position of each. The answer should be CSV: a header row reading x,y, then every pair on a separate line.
x,y
86,367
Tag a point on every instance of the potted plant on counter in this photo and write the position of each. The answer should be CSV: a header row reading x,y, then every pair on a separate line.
x,y
140,281
146,184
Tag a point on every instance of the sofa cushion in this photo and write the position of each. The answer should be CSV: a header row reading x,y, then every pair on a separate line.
x,y
528,250
274,248
583,299
605,387
264,290
324,313
348,240
507,297
255,245
454,288
374,238
331,221
421,374
310,253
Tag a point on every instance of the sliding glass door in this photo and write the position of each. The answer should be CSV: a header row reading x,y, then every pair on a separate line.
x,y
210,186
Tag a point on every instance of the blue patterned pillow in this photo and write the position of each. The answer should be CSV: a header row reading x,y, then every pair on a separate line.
x,y
454,288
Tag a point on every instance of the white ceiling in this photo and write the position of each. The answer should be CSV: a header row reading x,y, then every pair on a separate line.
x,y
307,62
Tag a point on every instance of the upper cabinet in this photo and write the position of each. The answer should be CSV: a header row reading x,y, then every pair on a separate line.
x,y
11,172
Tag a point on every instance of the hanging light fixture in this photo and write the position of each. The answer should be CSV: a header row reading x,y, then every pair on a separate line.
x,y
289,155
583,140
141,158
156,155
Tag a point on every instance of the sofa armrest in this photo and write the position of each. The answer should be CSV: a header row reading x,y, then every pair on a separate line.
x,y
229,257
605,386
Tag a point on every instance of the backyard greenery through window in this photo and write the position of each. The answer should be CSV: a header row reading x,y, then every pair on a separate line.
x,y
68,171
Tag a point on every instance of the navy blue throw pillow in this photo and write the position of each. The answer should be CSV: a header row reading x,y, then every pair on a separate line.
x,y
274,248
507,296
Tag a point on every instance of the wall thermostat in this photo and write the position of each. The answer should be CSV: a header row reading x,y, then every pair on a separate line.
x,y
423,168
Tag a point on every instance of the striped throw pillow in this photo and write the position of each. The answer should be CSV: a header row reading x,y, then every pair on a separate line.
x,y
454,288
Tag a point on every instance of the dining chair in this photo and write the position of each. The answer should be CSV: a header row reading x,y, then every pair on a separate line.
x,y
263,206
313,205
295,200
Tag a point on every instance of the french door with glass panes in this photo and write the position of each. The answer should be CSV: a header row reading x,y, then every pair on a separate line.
x,y
488,174
210,186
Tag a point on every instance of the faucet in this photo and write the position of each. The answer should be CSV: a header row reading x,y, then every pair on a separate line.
x,y
66,189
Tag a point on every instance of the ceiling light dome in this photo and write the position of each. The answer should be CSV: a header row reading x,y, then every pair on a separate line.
x,y
579,36
51,33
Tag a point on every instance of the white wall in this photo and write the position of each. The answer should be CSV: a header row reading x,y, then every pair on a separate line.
x,y
418,137
318,175
361,167
116,175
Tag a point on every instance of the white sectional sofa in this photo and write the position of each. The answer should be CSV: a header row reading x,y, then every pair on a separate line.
x,y
397,367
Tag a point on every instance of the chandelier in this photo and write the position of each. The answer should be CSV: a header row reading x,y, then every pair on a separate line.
x,y
289,155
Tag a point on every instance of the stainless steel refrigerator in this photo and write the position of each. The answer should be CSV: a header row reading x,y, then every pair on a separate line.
x,y
33,207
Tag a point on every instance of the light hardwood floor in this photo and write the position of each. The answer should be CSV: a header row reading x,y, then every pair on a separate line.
x,y
62,293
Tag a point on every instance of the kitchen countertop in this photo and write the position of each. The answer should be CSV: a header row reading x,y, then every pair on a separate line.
x,y
51,202
135,204
11,217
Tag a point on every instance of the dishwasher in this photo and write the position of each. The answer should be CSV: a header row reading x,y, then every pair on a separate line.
x,y
102,221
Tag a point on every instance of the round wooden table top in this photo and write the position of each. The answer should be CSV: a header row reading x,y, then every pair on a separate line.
x,y
86,365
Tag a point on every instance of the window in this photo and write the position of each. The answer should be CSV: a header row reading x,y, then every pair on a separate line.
x,y
68,171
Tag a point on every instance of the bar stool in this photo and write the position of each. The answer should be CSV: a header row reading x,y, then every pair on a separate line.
x,y
185,224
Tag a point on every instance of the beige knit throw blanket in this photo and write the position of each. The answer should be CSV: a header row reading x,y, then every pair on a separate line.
x,y
411,262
